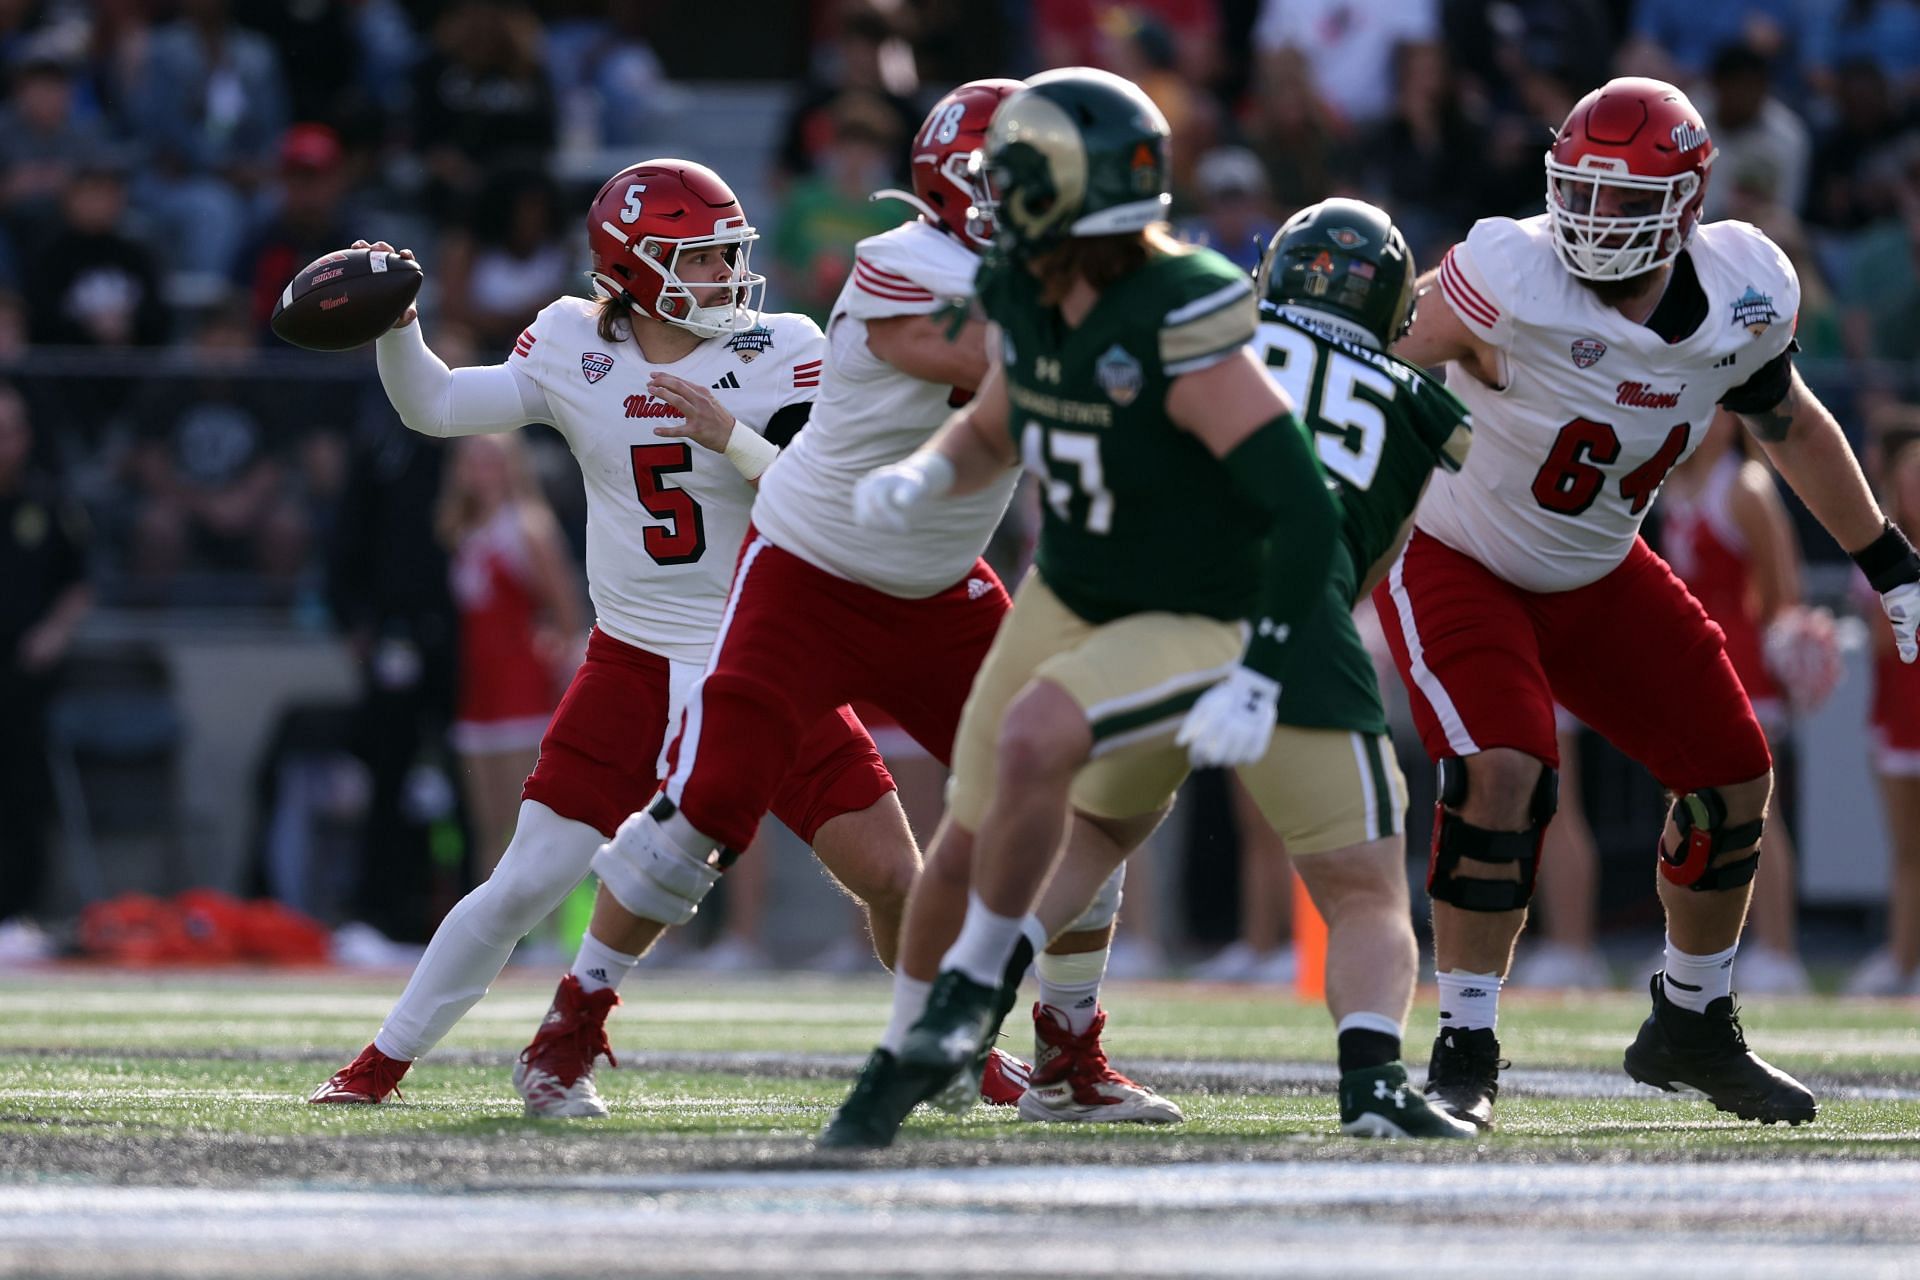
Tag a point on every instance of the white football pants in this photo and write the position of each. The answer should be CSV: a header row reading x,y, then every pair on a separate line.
x,y
547,857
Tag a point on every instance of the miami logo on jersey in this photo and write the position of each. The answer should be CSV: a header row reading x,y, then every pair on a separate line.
x,y
648,407
1754,310
596,365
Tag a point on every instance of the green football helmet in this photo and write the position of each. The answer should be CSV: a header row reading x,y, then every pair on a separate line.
x,y
1078,152
1346,261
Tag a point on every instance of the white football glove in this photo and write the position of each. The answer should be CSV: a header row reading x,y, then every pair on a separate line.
x,y
886,497
1232,724
1903,610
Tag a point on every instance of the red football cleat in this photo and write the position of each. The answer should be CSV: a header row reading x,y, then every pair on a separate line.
x,y
555,1073
1004,1079
1073,1081
368,1078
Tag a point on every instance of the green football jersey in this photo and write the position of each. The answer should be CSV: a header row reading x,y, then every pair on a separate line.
x,y
1137,515
1380,428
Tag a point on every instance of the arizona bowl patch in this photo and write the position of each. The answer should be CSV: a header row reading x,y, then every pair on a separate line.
x,y
596,365
1754,311
749,343
1586,351
1118,374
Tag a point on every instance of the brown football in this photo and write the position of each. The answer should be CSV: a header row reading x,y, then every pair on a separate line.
x,y
346,299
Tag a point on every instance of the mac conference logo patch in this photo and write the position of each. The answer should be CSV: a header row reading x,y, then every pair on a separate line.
x,y
596,365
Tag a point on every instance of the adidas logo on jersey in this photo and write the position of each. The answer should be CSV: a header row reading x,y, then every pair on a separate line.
x,y
977,587
728,383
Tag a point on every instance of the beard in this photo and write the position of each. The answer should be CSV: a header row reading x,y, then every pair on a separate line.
x,y
1615,293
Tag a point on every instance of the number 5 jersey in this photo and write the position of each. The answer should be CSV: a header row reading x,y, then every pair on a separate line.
x,y
1594,409
665,517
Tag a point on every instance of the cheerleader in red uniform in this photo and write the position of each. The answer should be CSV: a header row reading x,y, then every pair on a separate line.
x,y
1895,969
1727,534
522,627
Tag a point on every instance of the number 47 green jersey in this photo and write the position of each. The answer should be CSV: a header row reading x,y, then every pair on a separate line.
x,y
1380,427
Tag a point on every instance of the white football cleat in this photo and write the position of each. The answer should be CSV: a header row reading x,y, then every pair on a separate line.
x,y
1073,1082
547,1096
555,1073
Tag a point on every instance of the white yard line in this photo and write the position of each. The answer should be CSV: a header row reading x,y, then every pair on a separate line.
x,y
1504,1219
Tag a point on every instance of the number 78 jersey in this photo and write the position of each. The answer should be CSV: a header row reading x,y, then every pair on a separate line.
x,y
1594,409
1380,427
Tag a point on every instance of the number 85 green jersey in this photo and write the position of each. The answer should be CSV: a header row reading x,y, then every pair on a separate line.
x,y
1380,427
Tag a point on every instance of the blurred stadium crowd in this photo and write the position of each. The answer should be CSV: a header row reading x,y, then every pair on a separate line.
x,y
167,165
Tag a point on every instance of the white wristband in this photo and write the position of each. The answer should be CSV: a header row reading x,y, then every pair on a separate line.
x,y
750,453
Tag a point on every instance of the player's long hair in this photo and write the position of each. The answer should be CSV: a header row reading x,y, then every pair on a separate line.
x,y
614,321
1102,261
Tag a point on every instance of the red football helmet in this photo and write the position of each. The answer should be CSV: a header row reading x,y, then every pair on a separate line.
x,y
646,217
1626,177
943,188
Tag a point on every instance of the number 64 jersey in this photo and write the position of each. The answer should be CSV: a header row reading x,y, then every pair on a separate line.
x,y
665,517
1595,409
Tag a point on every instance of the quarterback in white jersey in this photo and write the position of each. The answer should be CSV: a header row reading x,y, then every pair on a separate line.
x,y
1593,344
672,390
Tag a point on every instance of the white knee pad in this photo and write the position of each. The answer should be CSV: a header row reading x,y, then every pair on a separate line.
x,y
547,857
651,876
1105,907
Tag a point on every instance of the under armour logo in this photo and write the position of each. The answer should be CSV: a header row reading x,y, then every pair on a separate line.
x,y
1399,1095
728,383
977,587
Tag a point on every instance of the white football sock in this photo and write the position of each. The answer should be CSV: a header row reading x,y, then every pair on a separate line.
x,y
547,857
909,1002
599,966
1694,982
1071,984
986,941
1469,1001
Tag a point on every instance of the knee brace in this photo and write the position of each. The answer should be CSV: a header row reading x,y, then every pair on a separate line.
x,y
1105,907
650,875
1701,818
1454,838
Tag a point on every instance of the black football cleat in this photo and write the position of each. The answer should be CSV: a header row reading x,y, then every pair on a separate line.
x,y
1707,1053
881,1099
1463,1076
955,1027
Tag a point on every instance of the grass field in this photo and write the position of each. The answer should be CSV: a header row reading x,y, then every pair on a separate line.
x,y
154,1125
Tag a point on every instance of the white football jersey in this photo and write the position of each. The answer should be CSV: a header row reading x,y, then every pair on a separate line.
x,y
665,517
1595,410
870,414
